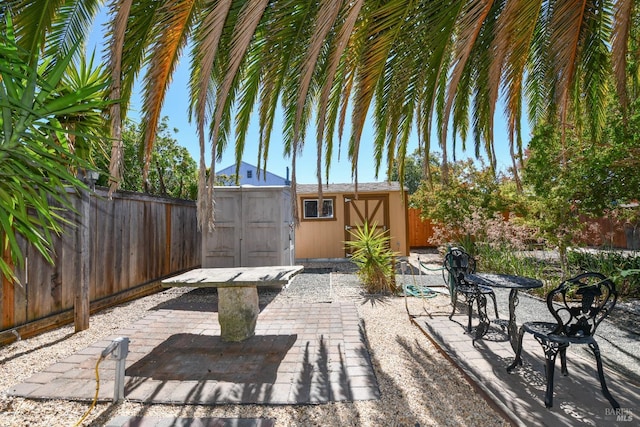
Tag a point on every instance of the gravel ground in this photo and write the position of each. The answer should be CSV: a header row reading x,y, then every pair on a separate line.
x,y
418,385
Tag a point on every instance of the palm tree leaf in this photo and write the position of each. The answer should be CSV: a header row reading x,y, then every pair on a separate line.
x,y
469,24
243,33
567,25
71,25
176,15
619,47
380,30
207,36
33,21
595,58
327,15
337,50
515,34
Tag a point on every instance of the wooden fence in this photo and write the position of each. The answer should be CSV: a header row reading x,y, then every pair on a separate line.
x,y
419,230
611,233
134,240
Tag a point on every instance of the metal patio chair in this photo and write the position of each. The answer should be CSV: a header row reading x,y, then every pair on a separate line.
x,y
579,305
457,263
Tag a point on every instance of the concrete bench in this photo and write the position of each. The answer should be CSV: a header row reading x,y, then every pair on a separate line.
x,y
237,293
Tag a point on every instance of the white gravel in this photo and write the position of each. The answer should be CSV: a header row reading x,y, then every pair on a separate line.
x,y
418,386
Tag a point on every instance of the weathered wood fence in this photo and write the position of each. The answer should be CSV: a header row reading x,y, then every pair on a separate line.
x,y
611,233
134,240
419,230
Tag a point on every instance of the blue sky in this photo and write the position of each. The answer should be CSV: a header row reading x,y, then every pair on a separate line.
x,y
176,106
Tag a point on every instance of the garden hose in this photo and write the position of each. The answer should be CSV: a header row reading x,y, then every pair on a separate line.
x,y
95,398
415,290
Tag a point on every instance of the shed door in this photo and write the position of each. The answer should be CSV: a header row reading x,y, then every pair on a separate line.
x,y
369,208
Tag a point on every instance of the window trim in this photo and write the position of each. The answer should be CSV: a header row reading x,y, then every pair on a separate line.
x,y
319,218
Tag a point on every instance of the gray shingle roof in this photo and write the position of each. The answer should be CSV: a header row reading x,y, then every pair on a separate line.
x,y
363,187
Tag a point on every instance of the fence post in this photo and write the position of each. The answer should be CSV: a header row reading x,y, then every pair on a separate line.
x,y
7,293
81,302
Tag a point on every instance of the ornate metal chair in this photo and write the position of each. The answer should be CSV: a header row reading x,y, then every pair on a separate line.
x,y
581,303
457,263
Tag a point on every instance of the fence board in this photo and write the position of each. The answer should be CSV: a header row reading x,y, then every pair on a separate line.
x,y
136,240
419,231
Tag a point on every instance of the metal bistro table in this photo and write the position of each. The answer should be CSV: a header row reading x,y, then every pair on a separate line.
x,y
515,283
237,293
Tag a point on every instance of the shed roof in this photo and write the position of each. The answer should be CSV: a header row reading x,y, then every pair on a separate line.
x,y
363,187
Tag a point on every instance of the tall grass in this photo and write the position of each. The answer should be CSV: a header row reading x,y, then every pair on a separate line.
x,y
623,268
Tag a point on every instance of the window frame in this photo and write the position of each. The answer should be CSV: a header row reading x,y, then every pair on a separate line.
x,y
331,199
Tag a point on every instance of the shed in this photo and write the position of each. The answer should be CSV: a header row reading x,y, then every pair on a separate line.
x,y
253,228
323,231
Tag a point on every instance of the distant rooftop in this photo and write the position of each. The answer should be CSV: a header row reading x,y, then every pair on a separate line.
x,y
248,175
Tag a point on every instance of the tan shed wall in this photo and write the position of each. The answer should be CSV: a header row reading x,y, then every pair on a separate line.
x,y
321,238
399,225
325,238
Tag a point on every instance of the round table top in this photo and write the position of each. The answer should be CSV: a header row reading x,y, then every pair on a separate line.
x,y
503,281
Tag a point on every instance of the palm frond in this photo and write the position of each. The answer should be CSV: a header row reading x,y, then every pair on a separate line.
x,y
71,25
381,29
595,58
469,26
33,21
619,47
207,35
326,115
327,15
243,33
176,15
117,42
567,36
515,33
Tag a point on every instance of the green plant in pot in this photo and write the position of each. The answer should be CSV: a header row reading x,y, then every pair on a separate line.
x,y
375,260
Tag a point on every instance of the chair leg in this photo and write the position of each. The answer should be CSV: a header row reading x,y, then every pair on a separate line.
x,y
470,312
550,353
454,302
563,361
518,359
495,305
596,351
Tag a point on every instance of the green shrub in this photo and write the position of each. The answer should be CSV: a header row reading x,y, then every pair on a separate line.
x,y
623,268
375,261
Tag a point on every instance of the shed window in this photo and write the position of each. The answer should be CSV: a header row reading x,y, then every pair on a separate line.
x,y
249,174
311,209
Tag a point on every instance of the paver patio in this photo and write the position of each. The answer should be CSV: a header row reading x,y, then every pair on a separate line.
x,y
301,353
578,399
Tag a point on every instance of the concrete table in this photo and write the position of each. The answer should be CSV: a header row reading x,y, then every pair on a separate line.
x,y
237,293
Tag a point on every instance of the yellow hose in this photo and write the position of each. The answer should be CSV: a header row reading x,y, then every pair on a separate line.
x,y
95,398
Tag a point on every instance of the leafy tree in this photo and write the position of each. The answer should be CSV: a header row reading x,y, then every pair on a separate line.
x,y
413,172
468,189
226,180
173,173
567,183
40,119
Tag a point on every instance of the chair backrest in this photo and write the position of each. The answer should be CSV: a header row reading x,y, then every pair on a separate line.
x,y
458,263
581,303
